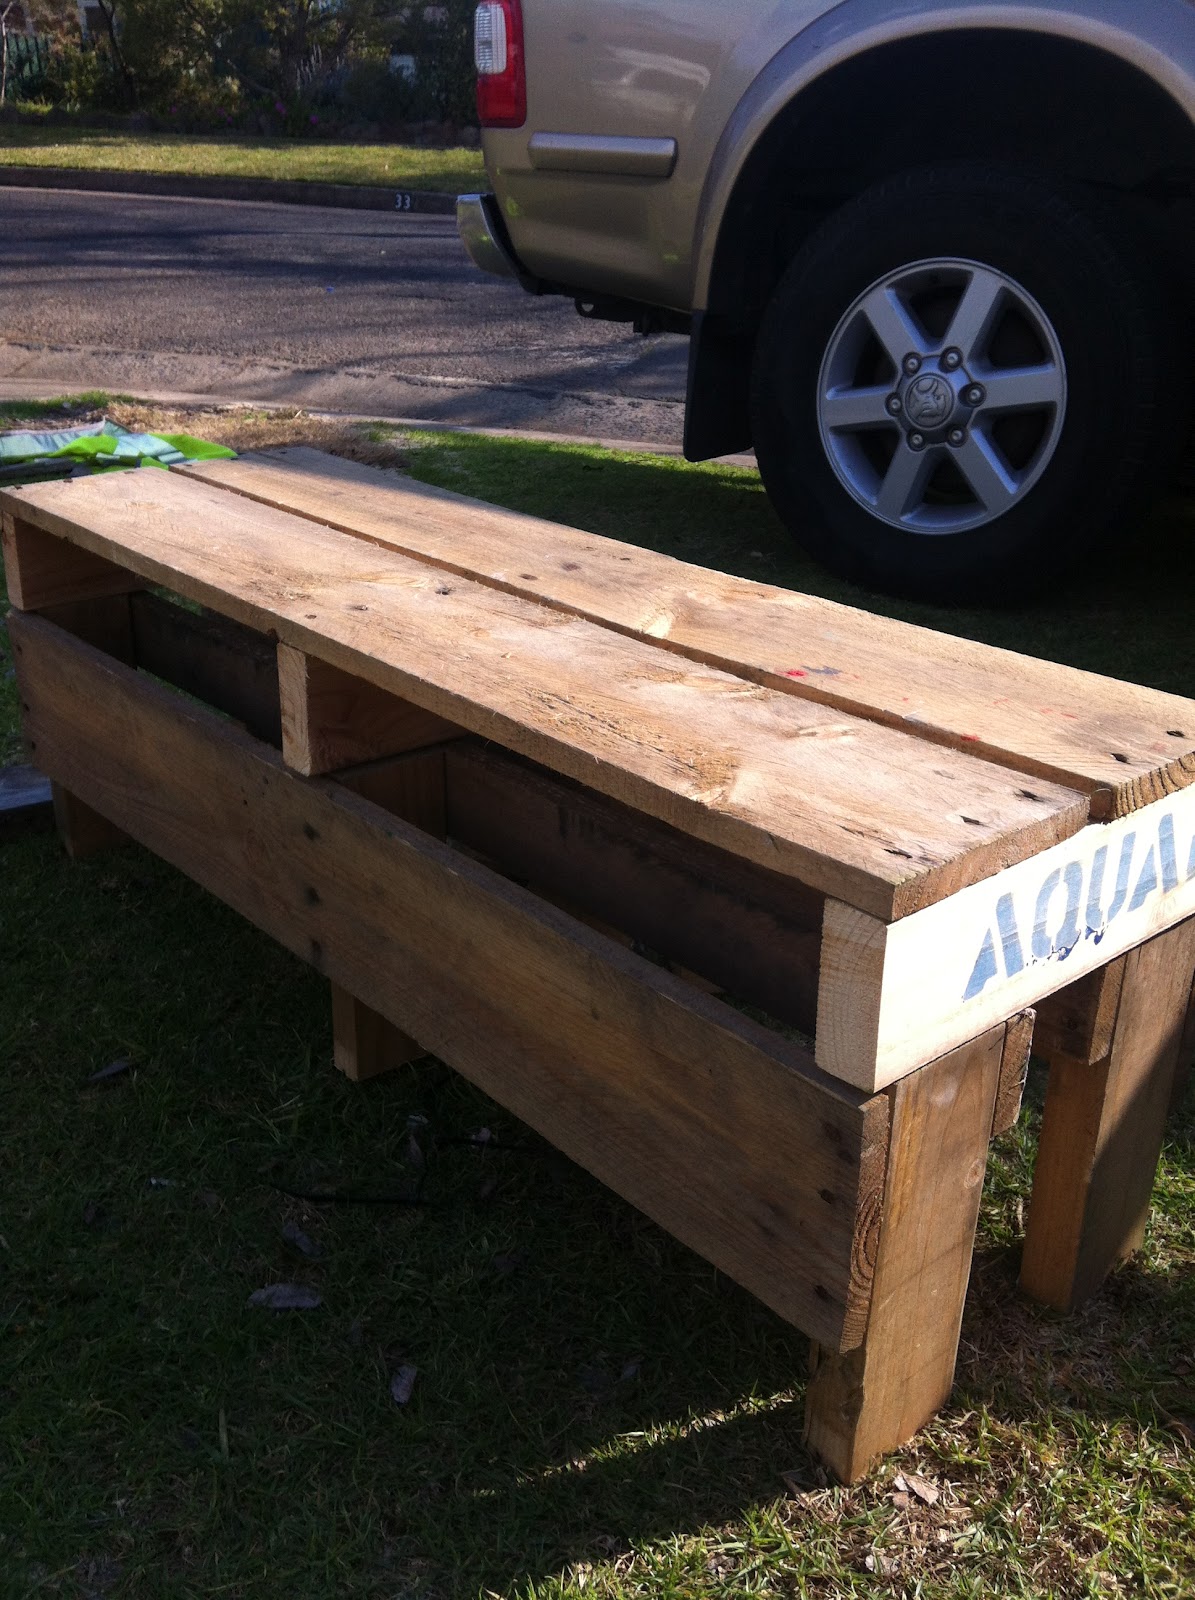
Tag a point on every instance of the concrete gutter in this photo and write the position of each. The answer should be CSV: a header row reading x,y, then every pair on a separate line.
x,y
281,191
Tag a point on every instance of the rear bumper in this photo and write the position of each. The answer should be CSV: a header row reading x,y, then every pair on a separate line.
x,y
484,236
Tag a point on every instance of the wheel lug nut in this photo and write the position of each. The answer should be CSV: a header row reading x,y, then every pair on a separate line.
x,y
952,360
956,436
894,406
912,364
916,441
974,396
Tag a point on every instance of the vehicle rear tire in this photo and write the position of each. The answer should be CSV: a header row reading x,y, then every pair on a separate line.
x,y
965,379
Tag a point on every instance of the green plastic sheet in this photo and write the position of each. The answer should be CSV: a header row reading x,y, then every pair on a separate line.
x,y
98,447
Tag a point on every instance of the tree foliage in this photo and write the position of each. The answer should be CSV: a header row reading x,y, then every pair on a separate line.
x,y
279,56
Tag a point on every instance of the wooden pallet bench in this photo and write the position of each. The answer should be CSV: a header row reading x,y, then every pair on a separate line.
x,y
746,900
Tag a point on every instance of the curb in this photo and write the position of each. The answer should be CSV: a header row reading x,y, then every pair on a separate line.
x,y
10,390
281,191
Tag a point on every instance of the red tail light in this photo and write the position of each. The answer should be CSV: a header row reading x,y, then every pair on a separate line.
x,y
501,76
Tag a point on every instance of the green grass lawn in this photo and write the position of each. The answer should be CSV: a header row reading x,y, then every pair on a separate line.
x,y
596,1412
390,165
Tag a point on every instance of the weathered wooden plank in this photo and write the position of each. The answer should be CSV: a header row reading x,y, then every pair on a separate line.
x,y
1078,1021
83,832
411,786
105,621
875,817
864,1403
364,1044
219,661
1102,1132
1014,1070
40,571
1124,745
1186,1058
752,932
333,719
723,1132
892,995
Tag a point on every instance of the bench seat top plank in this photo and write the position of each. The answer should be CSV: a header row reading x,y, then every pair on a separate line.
x,y
871,816
1122,744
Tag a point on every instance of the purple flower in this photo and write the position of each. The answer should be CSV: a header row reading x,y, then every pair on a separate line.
x,y
279,108
314,119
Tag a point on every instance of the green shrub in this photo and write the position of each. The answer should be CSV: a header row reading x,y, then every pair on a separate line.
x,y
80,77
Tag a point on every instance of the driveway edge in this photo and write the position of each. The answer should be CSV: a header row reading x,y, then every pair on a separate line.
x,y
281,191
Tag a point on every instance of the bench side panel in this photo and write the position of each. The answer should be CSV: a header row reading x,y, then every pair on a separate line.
x,y
721,1132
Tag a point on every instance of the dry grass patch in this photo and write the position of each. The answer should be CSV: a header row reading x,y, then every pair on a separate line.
x,y
243,429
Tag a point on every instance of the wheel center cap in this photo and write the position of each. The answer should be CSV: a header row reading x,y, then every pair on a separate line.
x,y
929,401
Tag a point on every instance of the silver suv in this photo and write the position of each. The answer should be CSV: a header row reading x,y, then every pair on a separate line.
x,y
931,256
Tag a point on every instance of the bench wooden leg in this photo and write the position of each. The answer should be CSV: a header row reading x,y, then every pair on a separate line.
x,y
83,831
364,1044
1102,1131
873,1399
1186,1058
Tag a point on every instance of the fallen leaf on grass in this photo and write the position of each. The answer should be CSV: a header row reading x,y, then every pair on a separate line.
x,y
286,1297
1183,1426
508,1261
879,1563
402,1385
97,1576
913,1483
113,1070
416,1124
302,1242
802,1485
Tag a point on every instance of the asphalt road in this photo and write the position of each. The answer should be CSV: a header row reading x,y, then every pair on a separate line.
x,y
339,310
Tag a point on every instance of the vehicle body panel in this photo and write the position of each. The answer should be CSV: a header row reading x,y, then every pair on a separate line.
x,y
713,76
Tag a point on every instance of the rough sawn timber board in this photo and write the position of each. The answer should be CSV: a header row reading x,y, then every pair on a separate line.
x,y
874,1398
1120,743
1102,1130
879,819
901,994
722,1132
